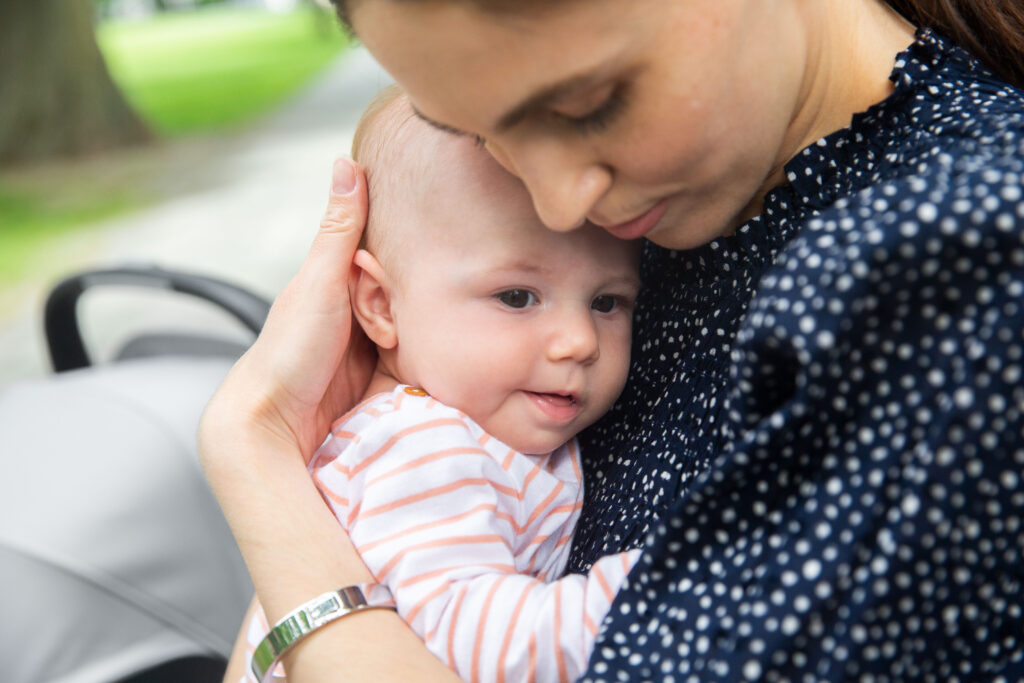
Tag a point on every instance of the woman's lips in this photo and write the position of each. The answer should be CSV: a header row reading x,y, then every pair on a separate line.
x,y
558,407
641,225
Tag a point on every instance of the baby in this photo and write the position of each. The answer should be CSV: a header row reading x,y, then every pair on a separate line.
x,y
458,477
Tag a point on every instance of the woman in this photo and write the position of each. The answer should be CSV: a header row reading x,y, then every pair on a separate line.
x,y
821,441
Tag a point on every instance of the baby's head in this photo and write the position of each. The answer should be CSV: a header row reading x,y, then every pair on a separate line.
x,y
468,296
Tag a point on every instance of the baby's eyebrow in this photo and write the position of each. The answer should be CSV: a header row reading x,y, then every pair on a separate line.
x,y
521,266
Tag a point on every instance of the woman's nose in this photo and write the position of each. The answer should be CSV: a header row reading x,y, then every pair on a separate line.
x,y
563,182
574,338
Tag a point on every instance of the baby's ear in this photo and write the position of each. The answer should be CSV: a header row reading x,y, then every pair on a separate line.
x,y
371,301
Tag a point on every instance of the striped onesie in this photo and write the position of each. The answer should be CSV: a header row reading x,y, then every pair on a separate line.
x,y
470,536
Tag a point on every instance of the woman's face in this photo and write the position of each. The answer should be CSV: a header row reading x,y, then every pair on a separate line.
x,y
655,118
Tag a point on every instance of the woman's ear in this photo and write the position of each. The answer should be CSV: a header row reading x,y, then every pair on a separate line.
x,y
371,300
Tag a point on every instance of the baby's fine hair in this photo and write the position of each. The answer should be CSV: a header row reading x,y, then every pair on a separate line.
x,y
381,135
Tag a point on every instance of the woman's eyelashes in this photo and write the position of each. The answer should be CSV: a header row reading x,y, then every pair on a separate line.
x,y
601,116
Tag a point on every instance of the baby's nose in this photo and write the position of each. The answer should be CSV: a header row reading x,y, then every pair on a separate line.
x,y
575,338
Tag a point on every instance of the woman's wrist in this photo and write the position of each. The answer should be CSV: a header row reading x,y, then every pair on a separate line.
x,y
293,545
363,648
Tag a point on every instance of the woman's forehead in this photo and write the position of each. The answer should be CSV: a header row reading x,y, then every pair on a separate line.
x,y
460,63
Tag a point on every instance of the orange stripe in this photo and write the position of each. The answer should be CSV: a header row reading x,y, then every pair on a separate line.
x,y
562,509
513,622
484,438
591,626
545,461
398,398
423,603
355,409
439,543
563,675
488,507
563,540
494,566
533,657
547,501
428,458
397,436
451,627
529,479
435,492
537,540
626,564
329,493
603,583
481,628
343,434
353,514
509,457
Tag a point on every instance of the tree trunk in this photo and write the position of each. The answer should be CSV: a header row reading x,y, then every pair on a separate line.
x,y
56,95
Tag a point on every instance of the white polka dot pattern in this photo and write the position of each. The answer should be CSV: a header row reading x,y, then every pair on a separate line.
x,y
858,513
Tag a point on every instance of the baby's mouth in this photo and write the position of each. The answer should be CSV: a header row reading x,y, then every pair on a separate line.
x,y
557,406
565,399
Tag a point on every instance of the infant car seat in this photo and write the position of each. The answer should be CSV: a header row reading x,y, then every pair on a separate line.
x,y
115,561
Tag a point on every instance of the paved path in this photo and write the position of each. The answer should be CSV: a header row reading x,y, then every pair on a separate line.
x,y
261,195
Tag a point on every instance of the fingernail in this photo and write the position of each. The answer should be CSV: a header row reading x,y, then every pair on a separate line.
x,y
344,176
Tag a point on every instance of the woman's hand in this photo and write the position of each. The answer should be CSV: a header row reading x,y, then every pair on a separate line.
x,y
310,363
309,366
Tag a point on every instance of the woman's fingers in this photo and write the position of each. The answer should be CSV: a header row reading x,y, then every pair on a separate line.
x,y
342,224
321,285
308,331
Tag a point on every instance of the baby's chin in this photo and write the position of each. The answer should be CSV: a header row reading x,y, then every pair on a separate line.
x,y
538,444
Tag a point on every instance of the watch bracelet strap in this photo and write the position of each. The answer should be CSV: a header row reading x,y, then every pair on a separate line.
x,y
321,610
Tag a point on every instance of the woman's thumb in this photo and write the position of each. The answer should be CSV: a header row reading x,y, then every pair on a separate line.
x,y
345,217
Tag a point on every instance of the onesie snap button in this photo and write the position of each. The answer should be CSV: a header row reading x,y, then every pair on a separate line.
x,y
415,391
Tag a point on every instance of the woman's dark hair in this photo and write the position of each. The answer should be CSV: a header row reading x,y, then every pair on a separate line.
x,y
991,29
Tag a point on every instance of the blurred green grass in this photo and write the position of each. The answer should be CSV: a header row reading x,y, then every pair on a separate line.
x,y
31,219
199,72
203,70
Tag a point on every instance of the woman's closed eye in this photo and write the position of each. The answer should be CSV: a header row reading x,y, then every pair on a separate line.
x,y
517,298
598,117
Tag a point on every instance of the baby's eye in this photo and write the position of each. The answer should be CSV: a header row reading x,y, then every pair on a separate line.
x,y
605,303
516,298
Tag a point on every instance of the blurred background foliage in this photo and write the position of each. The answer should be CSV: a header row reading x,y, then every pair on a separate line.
x,y
83,79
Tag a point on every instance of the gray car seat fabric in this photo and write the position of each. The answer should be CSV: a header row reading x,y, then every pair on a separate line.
x,y
113,553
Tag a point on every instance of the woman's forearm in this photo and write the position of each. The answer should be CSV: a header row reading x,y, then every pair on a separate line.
x,y
292,545
295,549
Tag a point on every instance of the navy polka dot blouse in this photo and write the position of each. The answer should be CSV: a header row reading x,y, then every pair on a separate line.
x,y
822,442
